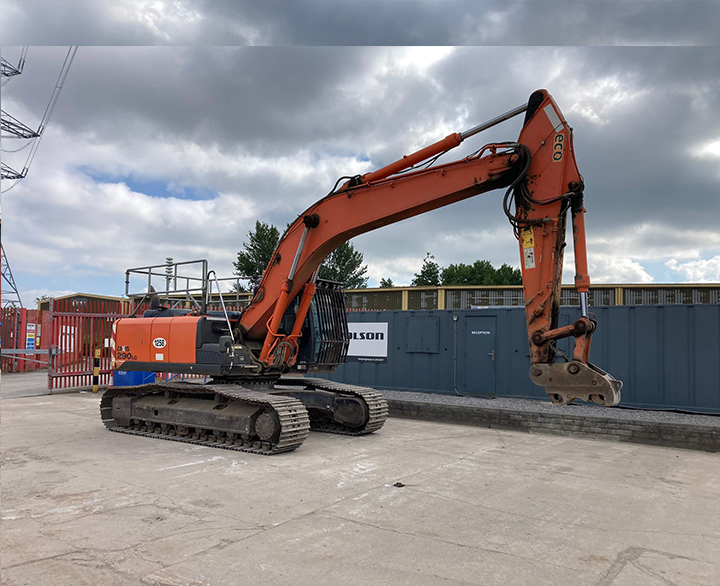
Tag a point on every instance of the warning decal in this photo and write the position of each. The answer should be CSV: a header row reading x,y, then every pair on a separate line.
x,y
528,240
529,257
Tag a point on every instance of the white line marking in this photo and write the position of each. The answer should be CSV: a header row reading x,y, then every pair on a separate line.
x,y
213,459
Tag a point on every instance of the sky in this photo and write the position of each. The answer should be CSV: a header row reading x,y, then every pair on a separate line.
x,y
171,138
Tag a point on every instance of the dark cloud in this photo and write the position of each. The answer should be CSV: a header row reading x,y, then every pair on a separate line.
x,y
361,22
222,95
270,129
593,22
48,22
469,22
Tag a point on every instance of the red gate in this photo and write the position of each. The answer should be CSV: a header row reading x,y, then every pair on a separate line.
x,y
77,329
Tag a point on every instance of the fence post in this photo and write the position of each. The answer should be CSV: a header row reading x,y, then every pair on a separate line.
x,y
51,345
96,370
22,336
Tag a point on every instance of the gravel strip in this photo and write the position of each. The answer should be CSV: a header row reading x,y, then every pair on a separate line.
x,y
529,405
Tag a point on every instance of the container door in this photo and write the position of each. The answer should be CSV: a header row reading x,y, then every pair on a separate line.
x,y
480,355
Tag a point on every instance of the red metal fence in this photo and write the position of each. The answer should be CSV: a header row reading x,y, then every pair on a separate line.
x,y
23,329
77,329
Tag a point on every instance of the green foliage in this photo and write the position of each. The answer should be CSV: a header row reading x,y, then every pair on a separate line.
x,y
255,256
429,274
344,265
481,272
386,282
507,275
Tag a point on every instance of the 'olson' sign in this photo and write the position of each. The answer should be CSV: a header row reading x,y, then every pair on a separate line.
x,y
368,342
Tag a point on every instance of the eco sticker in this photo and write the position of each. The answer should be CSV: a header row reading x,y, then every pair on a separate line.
x,y
558,148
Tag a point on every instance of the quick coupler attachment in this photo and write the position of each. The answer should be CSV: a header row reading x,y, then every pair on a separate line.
x,y
567,381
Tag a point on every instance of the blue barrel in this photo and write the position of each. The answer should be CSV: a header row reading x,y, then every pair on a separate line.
x,y
131,378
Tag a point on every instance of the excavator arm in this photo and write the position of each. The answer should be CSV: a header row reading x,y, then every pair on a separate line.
x,y
543,184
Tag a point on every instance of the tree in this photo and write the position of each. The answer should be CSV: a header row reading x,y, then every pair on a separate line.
x,y
255,256
344,265
429,274
481,272
507,275
386,282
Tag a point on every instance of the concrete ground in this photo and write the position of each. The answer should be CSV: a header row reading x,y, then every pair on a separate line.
x,y
24,384
82,505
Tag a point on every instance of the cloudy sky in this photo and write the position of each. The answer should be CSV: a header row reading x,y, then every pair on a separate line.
x,y
158,151
360,22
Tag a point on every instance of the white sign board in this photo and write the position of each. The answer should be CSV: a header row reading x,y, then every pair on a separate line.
x,y
368,342
30,337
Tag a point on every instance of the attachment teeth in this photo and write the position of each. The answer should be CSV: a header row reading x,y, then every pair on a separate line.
x,y
568,381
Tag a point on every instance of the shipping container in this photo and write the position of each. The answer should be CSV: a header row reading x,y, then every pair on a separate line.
x,y
668,356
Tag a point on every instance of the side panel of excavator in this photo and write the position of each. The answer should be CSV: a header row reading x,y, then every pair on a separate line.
x,y
155,343
177,343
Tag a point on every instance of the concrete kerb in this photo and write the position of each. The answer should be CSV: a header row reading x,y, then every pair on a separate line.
x,y
70,390
670,434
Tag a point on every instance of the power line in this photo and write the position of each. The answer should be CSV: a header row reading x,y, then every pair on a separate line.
x,y
51,105
17,129
26,145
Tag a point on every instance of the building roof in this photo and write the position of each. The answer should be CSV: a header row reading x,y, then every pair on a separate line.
x,y
45,303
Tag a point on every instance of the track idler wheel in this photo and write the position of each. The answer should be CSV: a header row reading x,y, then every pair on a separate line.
x,y
267,427
567,381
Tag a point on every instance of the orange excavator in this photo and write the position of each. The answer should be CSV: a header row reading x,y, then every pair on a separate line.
x,y
296,323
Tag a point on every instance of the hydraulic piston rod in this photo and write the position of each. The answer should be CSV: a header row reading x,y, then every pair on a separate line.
x,y
447,143
494,122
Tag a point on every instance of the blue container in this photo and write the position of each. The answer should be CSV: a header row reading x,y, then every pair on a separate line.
x,y
131,378
668,356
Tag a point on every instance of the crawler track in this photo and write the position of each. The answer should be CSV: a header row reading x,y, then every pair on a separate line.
x,y
292,416
376,404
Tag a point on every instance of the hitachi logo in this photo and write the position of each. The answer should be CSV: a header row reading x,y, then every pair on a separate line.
x,y
367,336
